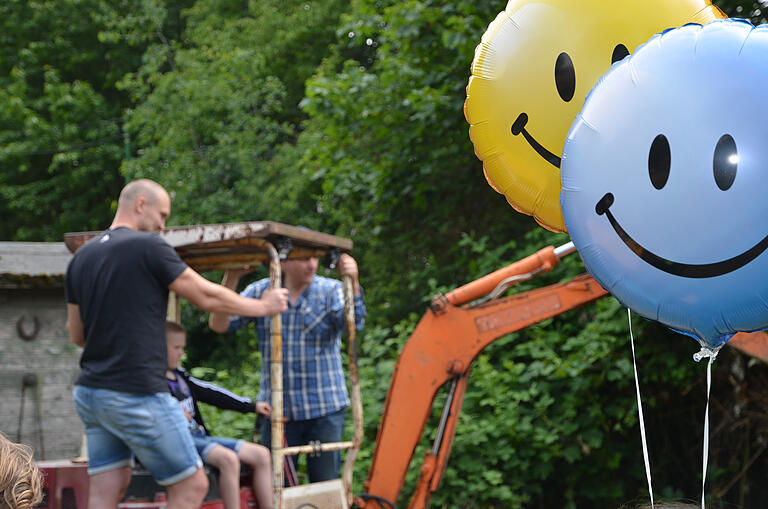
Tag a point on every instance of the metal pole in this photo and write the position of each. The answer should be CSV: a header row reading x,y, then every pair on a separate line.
x,y
354,382
173,313
444,418
316,448
541,261
565,249
276,374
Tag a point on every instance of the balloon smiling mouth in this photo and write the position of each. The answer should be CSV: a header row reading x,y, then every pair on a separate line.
x,y
675,268
519,127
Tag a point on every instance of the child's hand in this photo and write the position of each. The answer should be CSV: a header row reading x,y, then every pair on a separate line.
x,y
263,408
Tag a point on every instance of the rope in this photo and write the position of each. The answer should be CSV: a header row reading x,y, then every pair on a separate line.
x,y
640,411
291,477
21,413
30,380
705,352
290,469
712,355
39,423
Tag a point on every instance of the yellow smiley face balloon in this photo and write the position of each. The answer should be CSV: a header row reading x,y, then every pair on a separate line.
x,y
531,72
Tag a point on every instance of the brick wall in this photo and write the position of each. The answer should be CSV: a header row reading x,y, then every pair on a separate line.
x,y
49,422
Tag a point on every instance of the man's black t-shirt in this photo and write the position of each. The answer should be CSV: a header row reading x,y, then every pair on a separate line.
x,y
120,281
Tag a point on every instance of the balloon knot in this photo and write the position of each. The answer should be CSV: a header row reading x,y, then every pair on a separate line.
x,y
707,352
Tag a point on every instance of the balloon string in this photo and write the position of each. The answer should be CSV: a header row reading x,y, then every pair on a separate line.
x,y
640,411
705,458
711,353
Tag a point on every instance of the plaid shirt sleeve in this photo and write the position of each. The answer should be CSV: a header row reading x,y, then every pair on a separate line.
x,y
253,291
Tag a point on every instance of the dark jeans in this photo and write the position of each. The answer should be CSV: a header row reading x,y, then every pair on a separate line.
x,y
328,428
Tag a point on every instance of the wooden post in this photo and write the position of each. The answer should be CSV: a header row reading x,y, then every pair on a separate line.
x,y
354,381
173,313
276,374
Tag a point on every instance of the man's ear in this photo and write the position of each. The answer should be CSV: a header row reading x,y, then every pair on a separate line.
x,y
139,204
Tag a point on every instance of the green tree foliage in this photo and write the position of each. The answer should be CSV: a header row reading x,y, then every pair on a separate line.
x,y
61,134
215,115
753,10
387,142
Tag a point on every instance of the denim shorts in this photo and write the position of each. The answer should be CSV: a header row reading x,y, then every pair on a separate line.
x,y
204,444
152,427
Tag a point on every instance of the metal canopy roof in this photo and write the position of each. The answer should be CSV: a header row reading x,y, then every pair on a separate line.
x,y
232,245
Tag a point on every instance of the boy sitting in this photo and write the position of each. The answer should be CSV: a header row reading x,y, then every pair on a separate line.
x,y
220,452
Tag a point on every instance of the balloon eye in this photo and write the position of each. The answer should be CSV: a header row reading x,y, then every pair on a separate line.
x,y
619,52
725,162
659,161
565,77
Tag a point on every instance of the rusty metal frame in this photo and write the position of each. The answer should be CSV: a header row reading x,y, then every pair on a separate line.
x,y
231,245
355,395
276,384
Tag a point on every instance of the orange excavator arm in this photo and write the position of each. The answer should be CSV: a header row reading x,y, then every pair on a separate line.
x,y
441,350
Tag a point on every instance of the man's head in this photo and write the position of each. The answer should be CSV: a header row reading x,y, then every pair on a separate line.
x,y
143,205
300,271
176,338
20,480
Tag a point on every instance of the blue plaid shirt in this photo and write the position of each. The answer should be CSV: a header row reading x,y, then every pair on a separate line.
x,y
314,384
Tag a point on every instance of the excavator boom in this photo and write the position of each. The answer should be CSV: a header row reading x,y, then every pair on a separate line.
x,y
442,348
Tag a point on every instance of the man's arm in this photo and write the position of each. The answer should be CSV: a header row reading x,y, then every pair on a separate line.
x,y
348,267
75,324
215,298
219,322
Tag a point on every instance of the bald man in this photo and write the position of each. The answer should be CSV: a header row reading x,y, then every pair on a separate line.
x,y
117,295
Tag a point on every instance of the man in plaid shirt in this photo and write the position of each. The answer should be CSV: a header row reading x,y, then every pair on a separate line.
x,y
314,385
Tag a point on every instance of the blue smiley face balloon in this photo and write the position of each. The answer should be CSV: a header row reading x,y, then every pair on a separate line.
x,y
664,174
